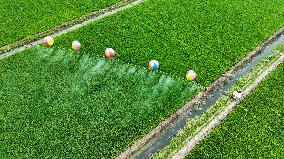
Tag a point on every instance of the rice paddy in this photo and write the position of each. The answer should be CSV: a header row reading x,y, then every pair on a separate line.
x,y
20,19
207,37
63,104
254,129
194,126
59,103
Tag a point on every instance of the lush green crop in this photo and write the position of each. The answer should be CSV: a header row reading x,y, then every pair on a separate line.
x,y
254,129
195,125
61,104
206,36
22,18
66,105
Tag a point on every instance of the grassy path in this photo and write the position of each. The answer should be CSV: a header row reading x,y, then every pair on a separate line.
x,y
254,129
199,128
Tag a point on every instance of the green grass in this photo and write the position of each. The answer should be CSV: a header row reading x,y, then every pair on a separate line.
x,y
22,18
254,129
206,36
195,125
72,105
57,103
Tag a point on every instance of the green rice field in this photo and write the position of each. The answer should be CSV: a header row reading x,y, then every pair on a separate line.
x,y
208,37
24,18
254,129
58,103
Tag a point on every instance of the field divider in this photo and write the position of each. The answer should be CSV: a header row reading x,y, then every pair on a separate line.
x,y
223,114
206,114
144,143
21,45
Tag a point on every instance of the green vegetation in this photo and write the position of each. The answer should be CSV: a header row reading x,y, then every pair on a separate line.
x,y
206,36
23,18
64,104
196,124
61,104
254,129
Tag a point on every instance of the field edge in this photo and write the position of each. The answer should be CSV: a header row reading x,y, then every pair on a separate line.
x,y
198,99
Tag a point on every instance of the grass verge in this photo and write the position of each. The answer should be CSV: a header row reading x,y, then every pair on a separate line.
x,y
62,104
253,129
195,125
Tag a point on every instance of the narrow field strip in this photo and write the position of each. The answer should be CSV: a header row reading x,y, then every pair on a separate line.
x,y
208,37
152,137
65,28
249,131
25,20
60,103
196,124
